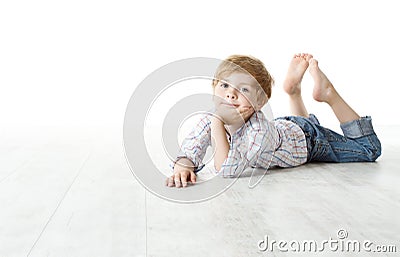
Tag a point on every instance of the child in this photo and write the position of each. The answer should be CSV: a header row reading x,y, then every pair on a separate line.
x,y
242,137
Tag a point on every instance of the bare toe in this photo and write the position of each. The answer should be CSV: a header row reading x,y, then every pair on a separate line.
x,y
297,68
323,89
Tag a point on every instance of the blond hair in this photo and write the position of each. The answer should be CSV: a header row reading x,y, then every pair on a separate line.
x,y
245,63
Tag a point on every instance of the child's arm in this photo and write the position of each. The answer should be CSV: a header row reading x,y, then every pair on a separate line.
x,y
259,139
220,143
190,157
225,116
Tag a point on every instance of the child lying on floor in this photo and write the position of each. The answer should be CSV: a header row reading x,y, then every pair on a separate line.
x,y
242,137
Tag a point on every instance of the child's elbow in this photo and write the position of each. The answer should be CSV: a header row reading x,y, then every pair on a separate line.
x,y
219,171
217,168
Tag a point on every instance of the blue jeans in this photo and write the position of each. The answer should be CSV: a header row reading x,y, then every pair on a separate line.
x,y
359,142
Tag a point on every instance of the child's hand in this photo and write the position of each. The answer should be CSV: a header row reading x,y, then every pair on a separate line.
x,y
182,174
231,115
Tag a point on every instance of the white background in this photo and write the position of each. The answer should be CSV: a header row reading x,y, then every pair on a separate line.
x,y
75,64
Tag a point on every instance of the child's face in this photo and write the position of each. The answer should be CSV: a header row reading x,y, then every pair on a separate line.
x,y
239,90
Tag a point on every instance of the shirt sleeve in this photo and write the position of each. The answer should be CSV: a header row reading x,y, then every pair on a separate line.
x,y
195,145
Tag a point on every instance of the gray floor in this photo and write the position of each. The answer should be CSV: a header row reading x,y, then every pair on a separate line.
x,y
71,194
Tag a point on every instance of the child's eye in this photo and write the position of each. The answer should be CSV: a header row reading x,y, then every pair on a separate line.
x,y
244,90
224,85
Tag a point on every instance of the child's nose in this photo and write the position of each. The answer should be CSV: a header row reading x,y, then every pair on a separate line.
x,y
231,94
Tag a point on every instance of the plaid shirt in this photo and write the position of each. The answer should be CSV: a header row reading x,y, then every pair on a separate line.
x,y
258,143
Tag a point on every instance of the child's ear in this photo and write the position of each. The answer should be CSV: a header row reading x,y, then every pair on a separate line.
x,y
262,99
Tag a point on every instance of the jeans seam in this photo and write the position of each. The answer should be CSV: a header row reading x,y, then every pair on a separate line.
x,y
350,151
361,128
372,143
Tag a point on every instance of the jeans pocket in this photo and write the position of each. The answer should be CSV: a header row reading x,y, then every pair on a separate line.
x,y
321,151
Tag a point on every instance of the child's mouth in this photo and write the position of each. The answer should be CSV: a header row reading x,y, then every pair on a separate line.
x,y
231,105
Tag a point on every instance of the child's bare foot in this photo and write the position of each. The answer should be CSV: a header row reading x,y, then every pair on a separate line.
x,y
297,68
323,89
